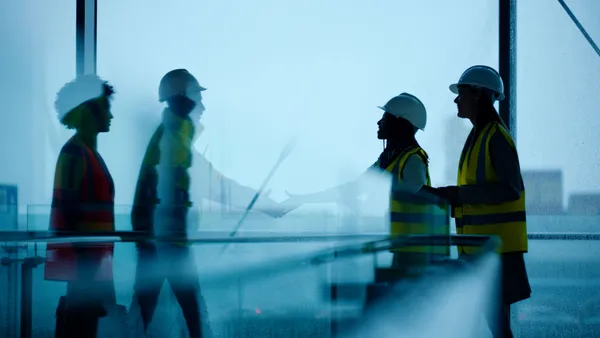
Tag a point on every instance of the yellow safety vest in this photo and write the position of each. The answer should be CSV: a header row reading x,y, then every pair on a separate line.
x,y
181,132
505,220
412,215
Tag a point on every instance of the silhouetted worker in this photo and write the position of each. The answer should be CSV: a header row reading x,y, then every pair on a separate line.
x,y
412,210
489,198
162,201
83,200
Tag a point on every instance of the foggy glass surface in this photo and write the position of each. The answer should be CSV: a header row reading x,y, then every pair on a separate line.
x,y
318,69
275,69
557,127
557,92
38,57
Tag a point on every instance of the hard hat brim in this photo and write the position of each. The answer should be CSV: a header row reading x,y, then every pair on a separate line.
x,y
454,88
385,110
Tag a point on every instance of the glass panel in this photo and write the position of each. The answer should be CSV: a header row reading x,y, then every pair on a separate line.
x,y
557,123
557,108
564,280
38,58
277,69
278,287
231,286
37,43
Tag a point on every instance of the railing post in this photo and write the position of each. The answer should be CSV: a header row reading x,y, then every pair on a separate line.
x,y
29,264
26,300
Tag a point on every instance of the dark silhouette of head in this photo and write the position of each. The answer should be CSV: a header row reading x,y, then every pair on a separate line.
x,y
84,105
477,90
182,92
392,127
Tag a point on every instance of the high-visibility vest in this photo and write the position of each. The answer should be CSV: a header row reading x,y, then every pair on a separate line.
x,y
94,211
414,215
505,220
149,212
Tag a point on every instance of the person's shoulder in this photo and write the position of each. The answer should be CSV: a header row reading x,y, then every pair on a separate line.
x,y
500,137
417,158
419,154
72,148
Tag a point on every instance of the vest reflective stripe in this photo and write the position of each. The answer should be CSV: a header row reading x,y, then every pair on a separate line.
x,y
95,212
505,220
415,215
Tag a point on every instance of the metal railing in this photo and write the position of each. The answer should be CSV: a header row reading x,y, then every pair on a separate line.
x,y
369,244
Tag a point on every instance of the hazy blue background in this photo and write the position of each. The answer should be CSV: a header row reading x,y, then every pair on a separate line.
x,y
319,68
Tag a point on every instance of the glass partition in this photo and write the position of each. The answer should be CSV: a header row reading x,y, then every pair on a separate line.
x,y
38,57
557,123
275,70
37,44
316,71
266,284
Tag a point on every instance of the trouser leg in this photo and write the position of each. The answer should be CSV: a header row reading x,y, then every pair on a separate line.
x,y
148,282
409,263
186,287
80,310
187,297
498,320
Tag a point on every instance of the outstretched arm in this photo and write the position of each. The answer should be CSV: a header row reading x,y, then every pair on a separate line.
x,y
213,185
344,191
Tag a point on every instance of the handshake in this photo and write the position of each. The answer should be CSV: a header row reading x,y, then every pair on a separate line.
x,y
268,206
441,196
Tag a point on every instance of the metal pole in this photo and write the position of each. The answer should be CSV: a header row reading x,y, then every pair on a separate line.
x,y
86,33
508,62
580,27
26,298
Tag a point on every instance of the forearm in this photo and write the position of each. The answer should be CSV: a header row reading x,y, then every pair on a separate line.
x,y
411,186
490,193
233,193
332,194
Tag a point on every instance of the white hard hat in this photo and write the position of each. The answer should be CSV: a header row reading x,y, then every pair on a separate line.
x,y
483,77
179,82
408,107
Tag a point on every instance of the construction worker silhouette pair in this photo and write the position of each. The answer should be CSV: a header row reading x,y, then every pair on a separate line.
x,y
488,198
83,200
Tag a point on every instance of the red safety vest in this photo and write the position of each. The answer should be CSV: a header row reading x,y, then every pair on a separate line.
x,y
95,212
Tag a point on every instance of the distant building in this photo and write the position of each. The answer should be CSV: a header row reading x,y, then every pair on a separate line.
x,y
584,204
544,190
